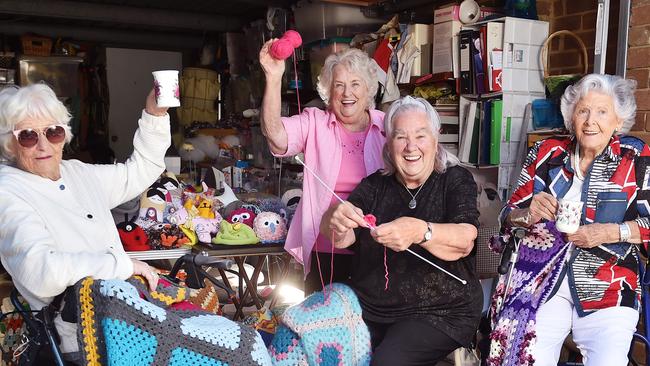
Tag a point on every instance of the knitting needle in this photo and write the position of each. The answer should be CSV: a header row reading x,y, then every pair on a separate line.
x,y
372,227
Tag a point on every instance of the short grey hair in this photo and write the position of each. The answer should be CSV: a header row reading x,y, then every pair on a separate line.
x,y
357,62
36,101
620,90
444,159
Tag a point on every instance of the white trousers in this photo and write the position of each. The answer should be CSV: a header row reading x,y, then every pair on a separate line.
x,y
603,337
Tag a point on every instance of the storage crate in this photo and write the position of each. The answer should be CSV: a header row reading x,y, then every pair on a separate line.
x,y
36,45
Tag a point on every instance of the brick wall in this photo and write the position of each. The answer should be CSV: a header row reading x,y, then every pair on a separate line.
x,y
638,64
579,17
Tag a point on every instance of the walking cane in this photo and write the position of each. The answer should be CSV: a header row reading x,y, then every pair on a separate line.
x,y
509,258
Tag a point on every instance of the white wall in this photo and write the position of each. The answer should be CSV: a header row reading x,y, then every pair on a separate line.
x,y
129,81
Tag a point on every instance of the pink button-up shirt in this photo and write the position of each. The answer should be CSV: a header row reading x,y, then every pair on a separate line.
x,y
316,133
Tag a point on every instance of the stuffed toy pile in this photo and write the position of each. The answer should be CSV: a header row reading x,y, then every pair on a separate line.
x,y
173,215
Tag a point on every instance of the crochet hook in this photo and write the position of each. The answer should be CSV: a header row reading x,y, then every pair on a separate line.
x,y
372,227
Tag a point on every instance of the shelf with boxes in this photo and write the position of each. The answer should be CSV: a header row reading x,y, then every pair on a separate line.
x,y
499,74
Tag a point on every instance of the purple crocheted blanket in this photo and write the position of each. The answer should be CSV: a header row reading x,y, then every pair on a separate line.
x,y
542,257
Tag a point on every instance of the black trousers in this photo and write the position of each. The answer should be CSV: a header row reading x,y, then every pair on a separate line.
x,y
408,343
342,271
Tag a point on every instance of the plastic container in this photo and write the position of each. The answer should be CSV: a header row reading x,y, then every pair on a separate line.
x,y
319,50
546,114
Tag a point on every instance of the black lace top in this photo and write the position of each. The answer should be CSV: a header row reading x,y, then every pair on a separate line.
x,y
416,289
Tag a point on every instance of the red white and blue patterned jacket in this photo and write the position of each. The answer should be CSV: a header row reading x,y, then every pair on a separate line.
x,y
616,189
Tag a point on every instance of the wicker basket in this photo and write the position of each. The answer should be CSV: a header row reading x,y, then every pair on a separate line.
x,y
556,84
36,46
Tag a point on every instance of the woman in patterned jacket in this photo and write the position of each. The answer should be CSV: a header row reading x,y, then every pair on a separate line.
x,y
597,294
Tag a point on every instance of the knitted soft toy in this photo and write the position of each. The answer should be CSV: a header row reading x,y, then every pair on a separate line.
x,y
324,329
291,198
152,204
235,234
205,208
173,187
274,205
132,236
172,236
205,227
270,227
159,186
175,215
123,323
242,215
229,208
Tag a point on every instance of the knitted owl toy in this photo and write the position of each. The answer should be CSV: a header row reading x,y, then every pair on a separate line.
x,y
270,227
274,205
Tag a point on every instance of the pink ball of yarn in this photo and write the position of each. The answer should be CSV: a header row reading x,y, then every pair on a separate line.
x,y
281,49
293,37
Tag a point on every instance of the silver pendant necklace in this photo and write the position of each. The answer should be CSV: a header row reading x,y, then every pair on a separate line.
x,y
413,203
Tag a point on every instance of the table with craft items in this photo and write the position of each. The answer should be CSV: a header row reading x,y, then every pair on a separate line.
x,y
239,253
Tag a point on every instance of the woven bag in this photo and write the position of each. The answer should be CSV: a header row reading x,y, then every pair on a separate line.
x,y
556,84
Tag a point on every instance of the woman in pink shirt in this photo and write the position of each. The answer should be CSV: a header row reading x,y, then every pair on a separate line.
x,y
342,144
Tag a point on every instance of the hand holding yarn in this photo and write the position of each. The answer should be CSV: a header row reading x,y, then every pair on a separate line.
x,y
283,47
346,217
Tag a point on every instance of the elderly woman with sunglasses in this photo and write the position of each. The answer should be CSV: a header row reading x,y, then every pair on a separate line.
x,y
56,222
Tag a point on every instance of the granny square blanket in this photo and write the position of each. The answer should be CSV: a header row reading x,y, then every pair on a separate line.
x,y
122,323
326,329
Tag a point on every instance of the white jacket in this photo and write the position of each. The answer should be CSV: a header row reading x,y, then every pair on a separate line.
x,y
54,233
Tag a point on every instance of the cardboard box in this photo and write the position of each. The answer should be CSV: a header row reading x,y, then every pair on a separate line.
x,y
442,58
423,37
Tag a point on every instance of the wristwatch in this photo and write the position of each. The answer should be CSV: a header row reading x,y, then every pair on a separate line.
x,y
624,232
427,235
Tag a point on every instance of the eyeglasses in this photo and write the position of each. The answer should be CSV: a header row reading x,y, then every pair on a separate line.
x,y
29,136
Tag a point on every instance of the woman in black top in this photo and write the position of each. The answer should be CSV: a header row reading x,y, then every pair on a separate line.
x,y
423,202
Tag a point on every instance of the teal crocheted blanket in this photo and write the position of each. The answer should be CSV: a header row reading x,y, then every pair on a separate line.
x,y
123,323
326,329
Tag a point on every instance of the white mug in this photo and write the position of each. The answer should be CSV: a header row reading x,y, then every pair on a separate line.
x,y
567,218
166,88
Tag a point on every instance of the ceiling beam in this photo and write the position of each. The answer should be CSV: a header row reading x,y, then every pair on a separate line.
x,y
169,41
276,3
78,10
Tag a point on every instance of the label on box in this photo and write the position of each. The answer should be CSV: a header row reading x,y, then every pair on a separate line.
x,y
446,14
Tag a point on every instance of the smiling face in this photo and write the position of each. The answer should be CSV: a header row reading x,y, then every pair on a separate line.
x,y
412,147
349,98
44,158
594,121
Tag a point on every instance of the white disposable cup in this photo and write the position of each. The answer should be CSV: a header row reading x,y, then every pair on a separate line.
x,y
165,84
567,218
